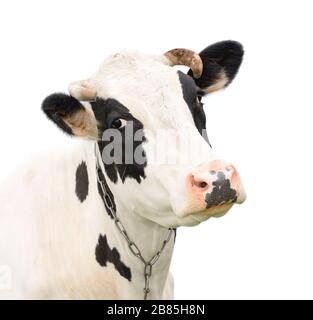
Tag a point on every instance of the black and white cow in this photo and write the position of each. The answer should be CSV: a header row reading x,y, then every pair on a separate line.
x,y
58,236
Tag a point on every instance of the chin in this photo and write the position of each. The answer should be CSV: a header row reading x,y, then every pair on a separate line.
x,y
216,212
175,220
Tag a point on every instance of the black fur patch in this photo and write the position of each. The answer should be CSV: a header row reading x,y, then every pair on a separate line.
x,y
106,111
222,192
59,105
104,254
192,94
222,56
82,182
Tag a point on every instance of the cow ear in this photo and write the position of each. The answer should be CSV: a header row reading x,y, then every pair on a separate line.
x,y
221,62
70,115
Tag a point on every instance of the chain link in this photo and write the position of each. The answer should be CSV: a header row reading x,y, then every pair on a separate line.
x,y
131,245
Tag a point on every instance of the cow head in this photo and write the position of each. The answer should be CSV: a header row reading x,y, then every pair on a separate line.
x,y
148,121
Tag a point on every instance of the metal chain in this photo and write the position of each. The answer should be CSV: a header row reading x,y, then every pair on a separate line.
x,y
132,245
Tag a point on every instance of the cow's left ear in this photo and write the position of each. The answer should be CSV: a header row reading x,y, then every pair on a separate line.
x,y
221,62
70,115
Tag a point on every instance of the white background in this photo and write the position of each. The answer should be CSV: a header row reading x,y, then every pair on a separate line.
x,y
262,122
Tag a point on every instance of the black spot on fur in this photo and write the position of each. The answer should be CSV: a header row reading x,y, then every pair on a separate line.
x,y
222,56
82,182
222,192
106,111
59,105
104,254
192,94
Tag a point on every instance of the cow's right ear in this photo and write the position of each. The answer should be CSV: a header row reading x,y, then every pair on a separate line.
x,y
70,115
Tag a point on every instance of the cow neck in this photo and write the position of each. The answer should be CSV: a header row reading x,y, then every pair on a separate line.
x,y
144,247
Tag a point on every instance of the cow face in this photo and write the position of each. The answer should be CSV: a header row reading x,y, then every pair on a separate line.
x,y
149,125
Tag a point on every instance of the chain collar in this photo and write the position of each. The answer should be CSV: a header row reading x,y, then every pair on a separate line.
x,y
147,272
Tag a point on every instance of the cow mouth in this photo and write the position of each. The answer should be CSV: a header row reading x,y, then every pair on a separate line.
x,y
215,212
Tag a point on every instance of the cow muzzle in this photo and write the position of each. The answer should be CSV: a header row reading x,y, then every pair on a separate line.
x,y
214,188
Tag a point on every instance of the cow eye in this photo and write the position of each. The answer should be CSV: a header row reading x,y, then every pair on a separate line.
x,y
118,123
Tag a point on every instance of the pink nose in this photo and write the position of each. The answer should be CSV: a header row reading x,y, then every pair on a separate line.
x,y
216,183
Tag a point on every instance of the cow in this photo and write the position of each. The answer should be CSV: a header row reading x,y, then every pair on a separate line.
x,y
98,220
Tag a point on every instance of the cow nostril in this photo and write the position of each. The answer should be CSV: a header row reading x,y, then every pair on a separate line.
x,y
202,184
199,182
